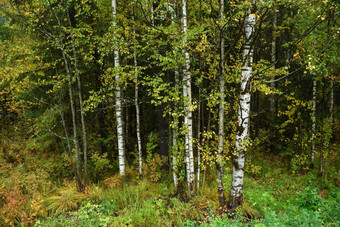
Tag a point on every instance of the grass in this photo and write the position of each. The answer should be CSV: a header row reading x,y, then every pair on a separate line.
x,y
271,202
273,196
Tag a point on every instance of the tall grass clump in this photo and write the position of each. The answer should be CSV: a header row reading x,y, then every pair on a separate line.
x,y
67,198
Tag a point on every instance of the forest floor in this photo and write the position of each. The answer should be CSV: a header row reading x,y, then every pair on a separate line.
x,y
276,193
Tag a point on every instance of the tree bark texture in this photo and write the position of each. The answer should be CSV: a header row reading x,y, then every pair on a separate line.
x,y
82,118
199,138
187,106
219,159
119,117
236,193
139,141
73,111
175,119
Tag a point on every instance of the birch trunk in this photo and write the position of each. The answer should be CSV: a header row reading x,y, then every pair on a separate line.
x,y
313,120
187,105
60,45
175,125
199,138
219,162
174,138
272,85
119,117
73,111
236,193
83,126
174,154
74,124
139,143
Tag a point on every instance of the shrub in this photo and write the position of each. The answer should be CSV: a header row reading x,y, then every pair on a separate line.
x,y
152,169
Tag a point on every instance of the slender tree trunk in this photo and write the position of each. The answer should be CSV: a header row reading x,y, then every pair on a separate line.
x,y
313,120
80,186
219,162
187,105
236,193
119,116
139,143
60,45
322,125
69,148
74,124
205,162
199,138
174,138
272,98
175,119
83,126
174,154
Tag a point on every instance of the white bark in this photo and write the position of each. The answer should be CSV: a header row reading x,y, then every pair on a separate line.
x,y
175,125
199,138
221,112
236,193
175,153
119,117
174,161
187,105
313,120
139,143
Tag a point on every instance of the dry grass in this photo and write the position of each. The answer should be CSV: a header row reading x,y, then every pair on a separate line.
x,y
67,198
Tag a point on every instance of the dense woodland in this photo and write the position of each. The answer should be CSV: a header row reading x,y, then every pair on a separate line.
x,y
169,113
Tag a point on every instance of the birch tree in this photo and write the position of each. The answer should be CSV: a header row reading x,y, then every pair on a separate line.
x,y
219,162
187,105
175,118
236,193
139,141
119,117
81,103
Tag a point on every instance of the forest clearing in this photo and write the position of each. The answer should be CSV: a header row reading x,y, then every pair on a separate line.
x,y
169,113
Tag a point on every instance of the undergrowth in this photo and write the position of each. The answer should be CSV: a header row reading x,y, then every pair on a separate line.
x,y
273,196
